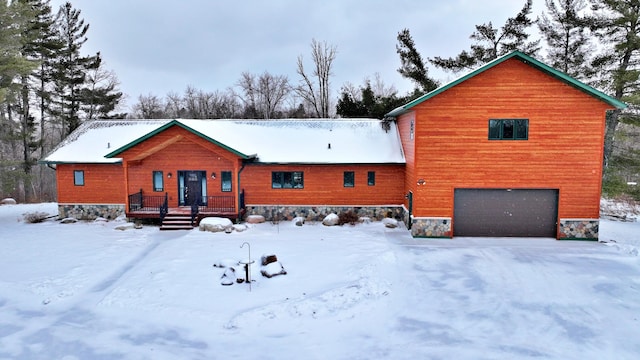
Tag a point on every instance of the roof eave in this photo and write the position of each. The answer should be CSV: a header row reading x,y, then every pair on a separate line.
x,y
57,162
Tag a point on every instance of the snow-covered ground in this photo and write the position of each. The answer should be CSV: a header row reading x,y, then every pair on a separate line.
x,y
88,291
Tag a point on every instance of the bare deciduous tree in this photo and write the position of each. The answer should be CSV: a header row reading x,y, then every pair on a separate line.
x,y
317,95
174,106
263,95
149,107
199,104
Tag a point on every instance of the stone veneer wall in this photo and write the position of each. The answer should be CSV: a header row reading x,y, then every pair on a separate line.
x,y
90,211
579,229
318,213
431,227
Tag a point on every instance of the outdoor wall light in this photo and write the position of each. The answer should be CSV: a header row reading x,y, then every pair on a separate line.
x,y
213,175
169,175
421,182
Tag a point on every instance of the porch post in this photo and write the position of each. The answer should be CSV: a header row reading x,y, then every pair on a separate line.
x,y
125,171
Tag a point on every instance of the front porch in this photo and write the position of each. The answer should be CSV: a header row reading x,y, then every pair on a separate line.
x,y
141,206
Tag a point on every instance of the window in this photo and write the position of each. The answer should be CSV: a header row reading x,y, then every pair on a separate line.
x,y
349,179
226,181
371,178
287,180
78,177
508,129
158,181
411,129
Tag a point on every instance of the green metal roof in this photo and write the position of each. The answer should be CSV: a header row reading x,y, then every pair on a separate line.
x,y
165,127
527,60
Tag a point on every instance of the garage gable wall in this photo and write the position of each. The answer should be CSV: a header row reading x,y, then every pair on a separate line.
x,y
563,149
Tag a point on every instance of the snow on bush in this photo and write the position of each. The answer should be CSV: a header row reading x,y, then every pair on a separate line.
x,y
240,227
35,217
619,210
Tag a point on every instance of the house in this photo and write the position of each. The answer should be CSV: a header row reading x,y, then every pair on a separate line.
x,y
514,148
280,169
511,149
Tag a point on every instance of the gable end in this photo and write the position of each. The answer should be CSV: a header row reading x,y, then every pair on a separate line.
x,y
183,126
525,59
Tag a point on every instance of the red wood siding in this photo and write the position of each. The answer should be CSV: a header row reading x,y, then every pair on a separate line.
x,y
103,184
323,185
408,146
563,151
173,150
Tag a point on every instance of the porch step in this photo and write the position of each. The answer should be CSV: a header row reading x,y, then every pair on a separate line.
x,y
176,222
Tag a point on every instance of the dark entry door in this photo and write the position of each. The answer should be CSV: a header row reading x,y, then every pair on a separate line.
x,y
190,183
505,212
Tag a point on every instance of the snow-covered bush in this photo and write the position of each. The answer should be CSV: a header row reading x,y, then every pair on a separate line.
x,y
35,217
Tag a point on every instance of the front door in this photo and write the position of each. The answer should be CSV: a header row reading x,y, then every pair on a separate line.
x,y
191,187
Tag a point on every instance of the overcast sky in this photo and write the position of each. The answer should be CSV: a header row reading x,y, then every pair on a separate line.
x,y
161,46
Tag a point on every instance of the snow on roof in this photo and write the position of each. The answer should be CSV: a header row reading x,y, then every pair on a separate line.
x,y
92,140
310,141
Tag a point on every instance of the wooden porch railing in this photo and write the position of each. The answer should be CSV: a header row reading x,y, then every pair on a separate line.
x,y
218,203
164,208
141,202
159,204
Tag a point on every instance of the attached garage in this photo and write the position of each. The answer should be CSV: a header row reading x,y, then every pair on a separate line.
x,y
505,212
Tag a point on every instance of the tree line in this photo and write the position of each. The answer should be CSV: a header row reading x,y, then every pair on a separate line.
x,y
48,86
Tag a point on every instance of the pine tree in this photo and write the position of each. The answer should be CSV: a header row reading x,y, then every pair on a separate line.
x,y
491,43
41,44
617,24
70,68
38,45
100,95
13,21
367,103
565,31
412,66
16,122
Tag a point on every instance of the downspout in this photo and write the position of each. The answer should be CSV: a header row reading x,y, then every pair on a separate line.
x,y
238,190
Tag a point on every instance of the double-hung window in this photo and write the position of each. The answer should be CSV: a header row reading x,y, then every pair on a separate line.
x,y
508,129
158,181
287,180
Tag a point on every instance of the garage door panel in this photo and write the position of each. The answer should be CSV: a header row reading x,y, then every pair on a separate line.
x,y
505,212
